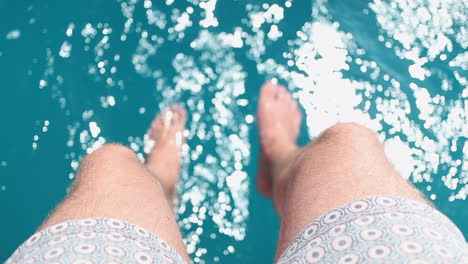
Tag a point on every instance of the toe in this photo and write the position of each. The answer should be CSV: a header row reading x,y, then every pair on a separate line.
x,y
182,113
180,116
268,90
183,116
157,122
174,115
156,127
168,117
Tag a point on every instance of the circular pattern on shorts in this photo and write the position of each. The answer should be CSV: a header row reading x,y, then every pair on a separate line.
x,y
57,240
116,236
401,230
379,251
364,220
292,248
342,243
333,216
83,261
433,234
394,215
142,244
115,251
164,245
386,201
142,257
87,234
350,258
54,253
337,230
115,223
58,227
30,260
169,258
416,205
314,254
87,222
85,248
33,239
423,220
113,262
34,250
295,261
310,230
371,234
410,247
442,251
358,206
314,242
142,232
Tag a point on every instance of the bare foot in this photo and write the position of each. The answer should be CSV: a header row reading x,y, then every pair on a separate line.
x,y
279,121
164,161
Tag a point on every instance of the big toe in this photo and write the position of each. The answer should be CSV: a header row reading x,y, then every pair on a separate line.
x,y
269,91
179,116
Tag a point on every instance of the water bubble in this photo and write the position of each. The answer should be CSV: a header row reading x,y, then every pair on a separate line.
x,y
14,34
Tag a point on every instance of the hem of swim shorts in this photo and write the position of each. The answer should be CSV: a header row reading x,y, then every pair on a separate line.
x,y
417,204
138,230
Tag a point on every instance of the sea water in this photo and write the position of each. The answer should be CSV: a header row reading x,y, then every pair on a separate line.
x,y
78,74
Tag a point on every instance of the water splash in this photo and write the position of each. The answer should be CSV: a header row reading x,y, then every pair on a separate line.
x,y
184,53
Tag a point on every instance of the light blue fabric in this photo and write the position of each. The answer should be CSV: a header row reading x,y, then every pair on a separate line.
x,y
379,230
370,230
95,240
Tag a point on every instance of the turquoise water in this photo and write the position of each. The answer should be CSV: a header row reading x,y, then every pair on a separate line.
x,y
77,74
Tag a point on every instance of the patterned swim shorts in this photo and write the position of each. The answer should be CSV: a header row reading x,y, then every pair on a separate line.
x,y
370,230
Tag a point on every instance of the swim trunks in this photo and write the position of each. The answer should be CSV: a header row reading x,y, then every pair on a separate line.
x,y
379,230
370,230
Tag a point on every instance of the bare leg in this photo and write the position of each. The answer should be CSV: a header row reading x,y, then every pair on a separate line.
x,y
164,161
112,182
345,163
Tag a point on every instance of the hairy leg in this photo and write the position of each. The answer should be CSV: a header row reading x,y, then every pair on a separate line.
x,y
113,182
165,159
345,163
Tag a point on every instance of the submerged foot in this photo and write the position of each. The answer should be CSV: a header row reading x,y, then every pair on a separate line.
x,y
165,158
279,121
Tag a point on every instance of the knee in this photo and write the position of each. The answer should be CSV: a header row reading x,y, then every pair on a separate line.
x,y
348,143
348,136
109,153
107,156
346,128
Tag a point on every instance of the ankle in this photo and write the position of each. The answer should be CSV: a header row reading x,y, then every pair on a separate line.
x,y
277,152
282,173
